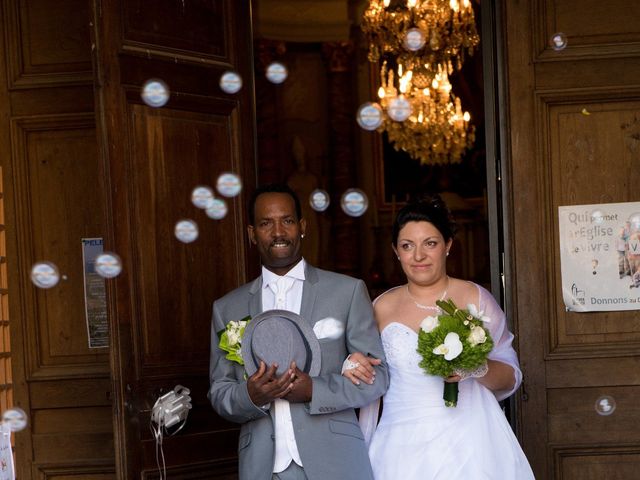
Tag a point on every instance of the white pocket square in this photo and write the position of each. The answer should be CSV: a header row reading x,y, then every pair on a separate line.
x,y
328,328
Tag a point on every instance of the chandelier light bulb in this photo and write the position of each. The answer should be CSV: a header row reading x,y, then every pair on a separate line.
x,y
424,42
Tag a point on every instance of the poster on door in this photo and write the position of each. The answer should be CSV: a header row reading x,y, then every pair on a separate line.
x,y
600,256
6,456
95,295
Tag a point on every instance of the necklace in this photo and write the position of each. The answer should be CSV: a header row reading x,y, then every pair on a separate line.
x,y
429,307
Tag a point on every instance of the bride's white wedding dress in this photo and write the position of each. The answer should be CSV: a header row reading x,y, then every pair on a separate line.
x,y
418,438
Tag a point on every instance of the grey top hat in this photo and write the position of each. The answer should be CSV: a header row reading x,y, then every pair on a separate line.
x,y
280,336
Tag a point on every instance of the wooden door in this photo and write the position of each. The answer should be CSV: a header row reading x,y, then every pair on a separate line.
x,y
573,139
51,201
152,159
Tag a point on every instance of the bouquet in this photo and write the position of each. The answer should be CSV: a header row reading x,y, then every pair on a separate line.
x,y
231,339
454,343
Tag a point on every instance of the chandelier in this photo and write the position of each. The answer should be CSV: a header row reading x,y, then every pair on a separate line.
x,y
421,42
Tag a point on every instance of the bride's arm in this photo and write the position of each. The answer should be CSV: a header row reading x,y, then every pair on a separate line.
x,y
504,375
357,367
499,377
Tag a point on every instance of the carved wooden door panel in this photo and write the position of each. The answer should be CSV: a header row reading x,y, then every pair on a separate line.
x,y
52,200
574,139
153,158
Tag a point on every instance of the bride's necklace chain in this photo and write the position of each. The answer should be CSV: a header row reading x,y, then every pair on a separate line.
x,y
429,307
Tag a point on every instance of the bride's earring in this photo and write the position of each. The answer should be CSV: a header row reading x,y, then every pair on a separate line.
x,y
447,253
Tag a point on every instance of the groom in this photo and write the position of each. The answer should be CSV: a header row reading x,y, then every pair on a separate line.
x,y
295,426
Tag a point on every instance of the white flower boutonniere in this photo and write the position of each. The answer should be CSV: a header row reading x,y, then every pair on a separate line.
x,y
231,339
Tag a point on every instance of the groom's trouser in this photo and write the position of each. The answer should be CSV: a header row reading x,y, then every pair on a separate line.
x,y
293,472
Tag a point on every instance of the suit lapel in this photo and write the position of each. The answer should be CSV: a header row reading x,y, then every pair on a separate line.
x,y
255,297
309,293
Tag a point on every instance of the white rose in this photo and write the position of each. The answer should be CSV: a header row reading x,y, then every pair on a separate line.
x,y
477,336
233,337
429,323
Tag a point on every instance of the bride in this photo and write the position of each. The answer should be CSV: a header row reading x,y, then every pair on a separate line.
x,y
418,437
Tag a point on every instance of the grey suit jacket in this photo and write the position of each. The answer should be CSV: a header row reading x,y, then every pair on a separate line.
x,y
327,433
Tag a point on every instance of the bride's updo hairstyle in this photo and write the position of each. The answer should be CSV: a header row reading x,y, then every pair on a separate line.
x,y
430,209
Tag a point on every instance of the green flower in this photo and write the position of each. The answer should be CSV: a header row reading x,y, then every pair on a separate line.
x,y
458,341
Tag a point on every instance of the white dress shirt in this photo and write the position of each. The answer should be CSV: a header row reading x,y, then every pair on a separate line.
x,y
283,293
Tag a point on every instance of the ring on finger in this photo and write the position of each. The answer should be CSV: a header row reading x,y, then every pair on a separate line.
x,y
349,365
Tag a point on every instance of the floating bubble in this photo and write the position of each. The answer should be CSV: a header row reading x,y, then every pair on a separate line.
x,y
414,39
45,275
369,116
597,217
108,265
229,184
217,210
15,418
230,82
558,41
605,405
399,108
155,93
201,197
319,200
276,72
186,231
354,202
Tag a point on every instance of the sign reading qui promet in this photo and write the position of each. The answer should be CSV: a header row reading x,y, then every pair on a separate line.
x,y
600,256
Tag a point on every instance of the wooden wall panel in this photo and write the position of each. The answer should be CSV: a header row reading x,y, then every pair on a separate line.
x,y
78,472
195,31
586,134
53,197
47,42
56,177
597,28
572,139
589,464
155,157
573,418
173,152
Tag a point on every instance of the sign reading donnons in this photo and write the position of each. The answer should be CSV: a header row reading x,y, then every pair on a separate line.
x,y
600,256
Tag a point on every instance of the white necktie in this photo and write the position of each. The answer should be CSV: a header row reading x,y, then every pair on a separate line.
x,y
280,289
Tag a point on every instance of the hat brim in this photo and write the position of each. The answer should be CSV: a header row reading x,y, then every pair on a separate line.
x,y
251,363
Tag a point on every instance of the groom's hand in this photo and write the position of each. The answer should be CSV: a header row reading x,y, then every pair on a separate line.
x,y
302,386
264,386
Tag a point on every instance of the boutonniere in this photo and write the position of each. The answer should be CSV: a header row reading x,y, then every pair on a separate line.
x,y
231,339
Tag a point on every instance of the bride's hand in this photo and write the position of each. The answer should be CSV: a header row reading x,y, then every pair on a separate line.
x,y
453,378
358,367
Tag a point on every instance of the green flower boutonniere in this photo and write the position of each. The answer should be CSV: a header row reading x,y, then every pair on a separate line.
x,y
231,339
